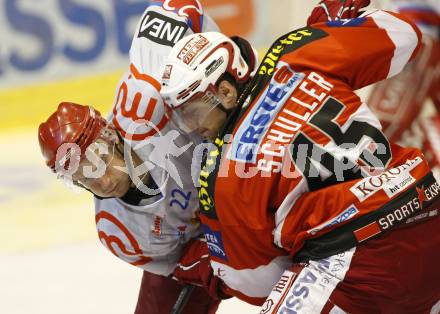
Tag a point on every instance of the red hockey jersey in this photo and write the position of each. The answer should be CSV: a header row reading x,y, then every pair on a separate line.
x,y
304,154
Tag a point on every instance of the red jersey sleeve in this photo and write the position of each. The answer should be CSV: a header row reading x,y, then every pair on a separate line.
x,y
191,9
317,212
360,51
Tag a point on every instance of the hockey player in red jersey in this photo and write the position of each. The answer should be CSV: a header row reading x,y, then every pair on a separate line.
x,y
400,102
304,202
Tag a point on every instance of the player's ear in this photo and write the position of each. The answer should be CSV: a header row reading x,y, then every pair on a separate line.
x,y
110,134
228,94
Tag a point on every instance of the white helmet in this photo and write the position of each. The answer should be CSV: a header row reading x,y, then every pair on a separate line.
x,y
197,62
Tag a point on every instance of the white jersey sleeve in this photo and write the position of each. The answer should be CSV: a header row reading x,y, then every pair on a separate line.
x,y
139,111
163,24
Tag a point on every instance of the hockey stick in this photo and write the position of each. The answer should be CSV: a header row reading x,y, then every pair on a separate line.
x,y
183,298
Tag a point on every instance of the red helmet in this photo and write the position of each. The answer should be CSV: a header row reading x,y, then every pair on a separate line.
x,y
71,123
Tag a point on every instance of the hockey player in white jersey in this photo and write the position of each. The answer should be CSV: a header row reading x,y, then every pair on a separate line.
x,y
136,164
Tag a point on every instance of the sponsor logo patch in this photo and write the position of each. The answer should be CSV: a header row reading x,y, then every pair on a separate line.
x,y
192,48
215,242
392,181
257,122
402,213
214,66
162,29
157,227
315,283
345,215
427,194
167,72
288,43
408,209
300,291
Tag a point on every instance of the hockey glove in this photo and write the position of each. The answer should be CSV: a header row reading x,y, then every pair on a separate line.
x,y
333,10
194,268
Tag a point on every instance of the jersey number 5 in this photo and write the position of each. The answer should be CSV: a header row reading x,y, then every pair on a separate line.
x,y
310,158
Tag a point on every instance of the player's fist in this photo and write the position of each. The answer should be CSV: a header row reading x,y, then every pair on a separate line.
x,y
195,268
333,10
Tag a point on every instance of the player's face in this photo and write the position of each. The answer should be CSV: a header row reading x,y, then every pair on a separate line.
x,y
102,171
201,114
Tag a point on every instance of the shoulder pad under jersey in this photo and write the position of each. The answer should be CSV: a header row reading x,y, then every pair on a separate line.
x,y
162,25
138,112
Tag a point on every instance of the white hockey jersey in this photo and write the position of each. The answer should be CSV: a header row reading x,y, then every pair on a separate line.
x,y
151,234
